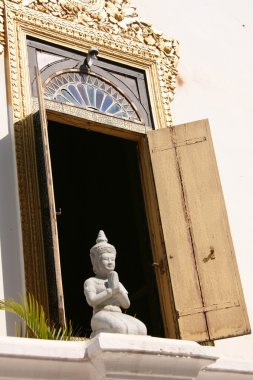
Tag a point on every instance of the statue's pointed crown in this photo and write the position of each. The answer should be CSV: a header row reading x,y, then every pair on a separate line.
x,y
102,245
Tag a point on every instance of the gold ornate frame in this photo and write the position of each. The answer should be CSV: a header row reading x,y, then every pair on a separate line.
x,y
129,41
115,28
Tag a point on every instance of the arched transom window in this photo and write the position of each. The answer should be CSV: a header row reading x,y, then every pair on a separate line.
x,y
89,91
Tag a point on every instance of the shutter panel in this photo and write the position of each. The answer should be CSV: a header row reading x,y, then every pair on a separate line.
x,y
202,270
48,213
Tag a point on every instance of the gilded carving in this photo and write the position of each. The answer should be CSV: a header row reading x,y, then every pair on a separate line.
x,y
92,116
92,5
1,26
118,18
14,71
111,23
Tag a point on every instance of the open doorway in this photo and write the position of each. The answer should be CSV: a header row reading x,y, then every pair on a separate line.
x,y
97,186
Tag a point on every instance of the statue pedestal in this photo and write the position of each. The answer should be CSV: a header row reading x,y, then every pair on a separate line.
x,y
120,356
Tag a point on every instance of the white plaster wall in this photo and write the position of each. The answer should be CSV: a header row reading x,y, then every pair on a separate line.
x,y
11,262
4,123
216,65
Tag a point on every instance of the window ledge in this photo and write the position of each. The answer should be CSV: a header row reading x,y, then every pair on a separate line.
x,y
115,356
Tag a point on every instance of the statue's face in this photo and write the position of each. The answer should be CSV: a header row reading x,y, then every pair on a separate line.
x,y
106,263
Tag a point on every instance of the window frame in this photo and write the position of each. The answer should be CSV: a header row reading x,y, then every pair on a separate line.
x,y
160,71
21,24
101,68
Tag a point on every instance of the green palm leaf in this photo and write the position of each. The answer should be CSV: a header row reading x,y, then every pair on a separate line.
x,y
33,316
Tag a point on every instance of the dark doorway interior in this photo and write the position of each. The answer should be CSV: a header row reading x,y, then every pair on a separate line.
x,y
97,186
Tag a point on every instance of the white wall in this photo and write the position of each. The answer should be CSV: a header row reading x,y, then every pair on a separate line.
x,y
11,262
216,65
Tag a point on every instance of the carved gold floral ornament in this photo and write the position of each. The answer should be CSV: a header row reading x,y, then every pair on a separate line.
x,y
1,26
92,5
113,23
112,16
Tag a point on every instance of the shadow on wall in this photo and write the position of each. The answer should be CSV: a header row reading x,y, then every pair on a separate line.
x,y
12,264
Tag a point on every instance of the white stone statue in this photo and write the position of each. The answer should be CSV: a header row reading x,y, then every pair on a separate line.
x,y
107,295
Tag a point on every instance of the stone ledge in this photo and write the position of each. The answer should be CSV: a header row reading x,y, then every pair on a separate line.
x,y
41,349
116,356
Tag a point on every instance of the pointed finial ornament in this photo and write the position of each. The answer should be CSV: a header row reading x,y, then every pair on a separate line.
x,y
101,237
102,245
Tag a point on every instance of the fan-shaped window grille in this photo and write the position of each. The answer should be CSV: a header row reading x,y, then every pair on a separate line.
x,y
89,91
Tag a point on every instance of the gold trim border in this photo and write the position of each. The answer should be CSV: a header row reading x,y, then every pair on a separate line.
x,y
129,41
138,49
93,116
2,42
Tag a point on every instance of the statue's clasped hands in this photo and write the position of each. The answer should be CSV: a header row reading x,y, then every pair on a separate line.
x,y
113,283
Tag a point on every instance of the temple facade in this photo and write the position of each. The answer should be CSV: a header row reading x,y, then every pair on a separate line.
x,y
92,138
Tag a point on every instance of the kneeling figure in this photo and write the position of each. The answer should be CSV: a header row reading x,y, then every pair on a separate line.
x,y
107,295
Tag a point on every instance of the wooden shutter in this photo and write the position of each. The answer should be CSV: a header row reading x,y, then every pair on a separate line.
x,y
195,256
48,213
